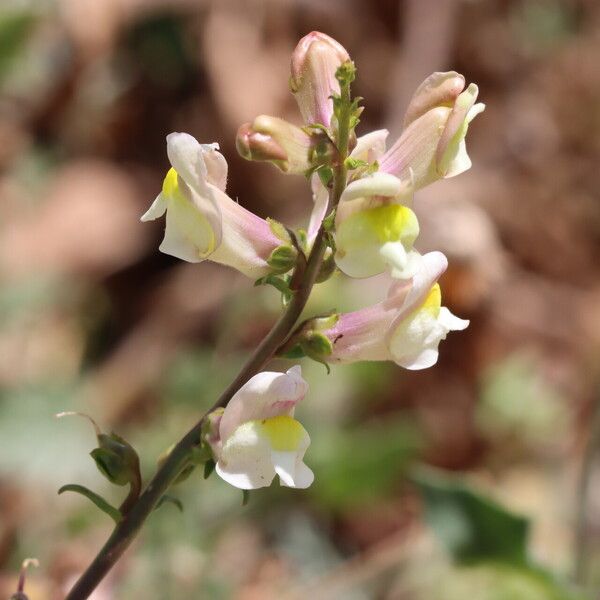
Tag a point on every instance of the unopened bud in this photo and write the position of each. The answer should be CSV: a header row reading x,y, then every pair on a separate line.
x,y
115,458
275,140
283,258
314,64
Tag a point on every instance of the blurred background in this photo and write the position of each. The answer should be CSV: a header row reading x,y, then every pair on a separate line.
x,y
93,318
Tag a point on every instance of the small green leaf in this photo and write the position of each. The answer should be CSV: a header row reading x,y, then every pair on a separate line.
x,y
209,467
471,526
99,501
171,500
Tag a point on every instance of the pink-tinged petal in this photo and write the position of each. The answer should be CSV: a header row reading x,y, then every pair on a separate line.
x,y
246,240
319,211
267,394
437,90
413,154
456,121
216,165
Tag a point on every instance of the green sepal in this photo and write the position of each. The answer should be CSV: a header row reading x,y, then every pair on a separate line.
x,y
116,459
170,500
282,259
209,467
329,222
98,500
294,353
355,163
279,230
245,497
280,283
327,269
325,173
317,345
323,322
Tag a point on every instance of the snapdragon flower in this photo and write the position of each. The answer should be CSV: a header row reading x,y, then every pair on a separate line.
x,y
405,328
432,145
257,437
202,221
375,229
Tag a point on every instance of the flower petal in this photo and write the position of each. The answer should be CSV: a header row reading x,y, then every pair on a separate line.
x,y
188,234
265,395
157,209
185,155
371,146
377,184
321,202
245,458
216,165
291,469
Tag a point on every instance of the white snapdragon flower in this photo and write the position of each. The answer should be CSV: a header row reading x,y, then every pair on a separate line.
x,y
432,145
405,328
202,221
257,436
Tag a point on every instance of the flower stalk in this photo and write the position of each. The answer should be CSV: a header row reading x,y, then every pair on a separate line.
x,y
178,459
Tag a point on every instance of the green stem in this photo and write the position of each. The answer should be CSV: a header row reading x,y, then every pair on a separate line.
x,y
127,529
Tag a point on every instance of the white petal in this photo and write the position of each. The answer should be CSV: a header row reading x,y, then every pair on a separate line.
x,y
185,155
451,322
292,471
188,233
433,264
371,146
377,184
245,459
157,209
265,395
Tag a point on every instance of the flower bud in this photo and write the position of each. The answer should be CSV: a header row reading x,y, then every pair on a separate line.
x,y
314,63
285,145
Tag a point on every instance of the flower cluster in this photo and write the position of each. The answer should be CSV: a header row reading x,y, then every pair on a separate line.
x,y
372,229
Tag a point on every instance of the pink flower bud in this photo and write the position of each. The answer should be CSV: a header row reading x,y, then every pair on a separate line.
x,y
275,140
314,63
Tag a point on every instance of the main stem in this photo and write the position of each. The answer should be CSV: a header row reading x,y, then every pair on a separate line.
x,y
125,531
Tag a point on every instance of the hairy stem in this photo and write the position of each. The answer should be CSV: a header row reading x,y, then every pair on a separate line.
x,y
139,510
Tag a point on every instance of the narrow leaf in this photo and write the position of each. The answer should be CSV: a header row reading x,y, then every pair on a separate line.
x,y
99,501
